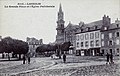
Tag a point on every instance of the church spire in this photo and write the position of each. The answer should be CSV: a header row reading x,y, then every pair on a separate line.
x,y
60,8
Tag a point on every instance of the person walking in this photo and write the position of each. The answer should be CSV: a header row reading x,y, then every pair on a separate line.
x,y
28,59
107,55
111,58
24,59
64,58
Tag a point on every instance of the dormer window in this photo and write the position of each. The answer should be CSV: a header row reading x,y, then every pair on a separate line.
x,y
88,28
105,28
117,25
81,30
95,27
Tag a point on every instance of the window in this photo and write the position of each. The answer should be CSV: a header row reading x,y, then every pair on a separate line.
x,y
102,36
117,41
110,35
82,37
77,44
86,44
110,50
86,36
97,42
88,28
91,35
91,43
81,44
117,50
110,42
81,30
102,43
102,51
117,25
117,34
105,28
96,27
77,37
97,35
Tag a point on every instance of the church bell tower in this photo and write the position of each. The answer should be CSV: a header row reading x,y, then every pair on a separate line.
x,y
60,26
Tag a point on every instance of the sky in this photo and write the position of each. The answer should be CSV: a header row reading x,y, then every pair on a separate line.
x,y
40,23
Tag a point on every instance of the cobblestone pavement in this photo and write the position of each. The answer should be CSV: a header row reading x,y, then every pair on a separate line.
x,y
17,66
96,70
75,66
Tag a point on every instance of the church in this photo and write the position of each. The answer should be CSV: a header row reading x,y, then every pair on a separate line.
x,y
92,39
65,34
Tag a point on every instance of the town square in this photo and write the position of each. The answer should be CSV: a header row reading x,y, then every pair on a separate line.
x,y
60,38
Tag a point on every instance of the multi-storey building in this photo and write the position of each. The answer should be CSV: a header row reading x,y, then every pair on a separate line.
x,y
88,40
110,38
33,44
99,38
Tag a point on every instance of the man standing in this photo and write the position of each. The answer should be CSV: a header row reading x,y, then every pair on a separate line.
x,y
28,59
111,58
24,59
64,57
107,58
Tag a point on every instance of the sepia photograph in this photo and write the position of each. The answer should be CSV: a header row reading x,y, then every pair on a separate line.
x,y
59,37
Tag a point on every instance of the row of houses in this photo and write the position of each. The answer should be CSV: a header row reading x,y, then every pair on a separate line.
x,y
99,39
95,38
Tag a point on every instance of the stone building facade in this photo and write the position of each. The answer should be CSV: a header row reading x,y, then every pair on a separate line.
x,y
110,38
88,39
33,44
98,38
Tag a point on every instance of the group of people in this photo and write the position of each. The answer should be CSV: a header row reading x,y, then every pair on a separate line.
x,y
26,58
109,58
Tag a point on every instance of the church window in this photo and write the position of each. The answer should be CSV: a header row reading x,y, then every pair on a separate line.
x,y
62,31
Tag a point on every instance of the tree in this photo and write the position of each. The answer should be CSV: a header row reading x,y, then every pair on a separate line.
x,y
13,45
41,49
65,46
46,49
